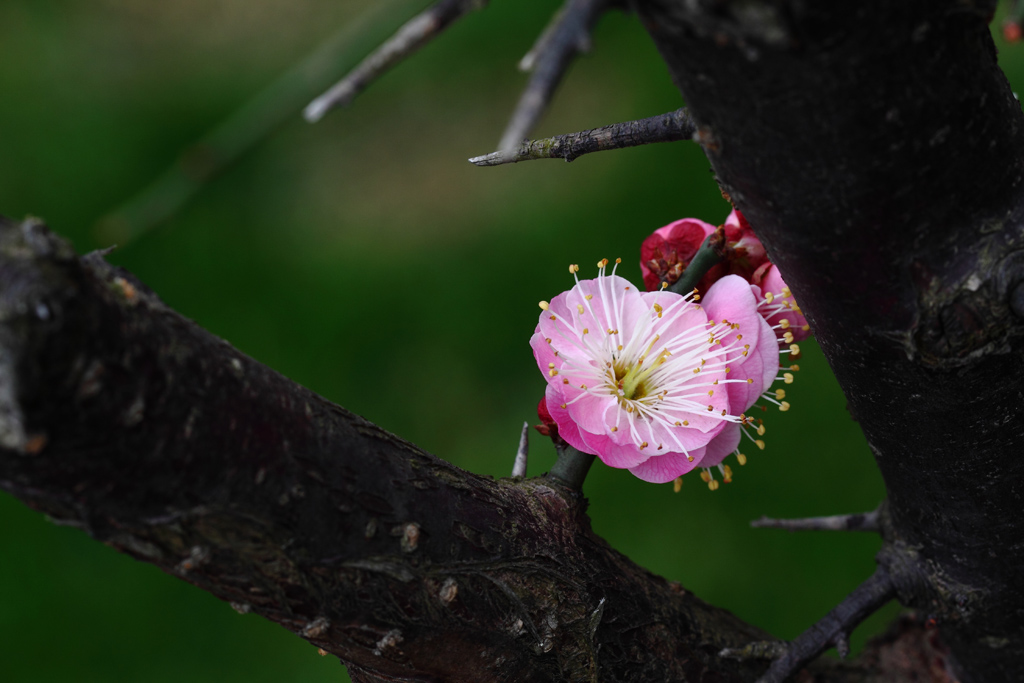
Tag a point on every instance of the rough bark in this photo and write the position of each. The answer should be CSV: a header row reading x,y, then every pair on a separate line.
x,y
876,148
123,418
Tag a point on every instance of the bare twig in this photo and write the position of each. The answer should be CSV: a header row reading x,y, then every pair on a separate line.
x,y
571,31
835,627
528,61
865,521
519,467
760,649
671,127
413,35
252,122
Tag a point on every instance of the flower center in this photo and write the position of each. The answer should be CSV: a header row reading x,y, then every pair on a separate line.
x,y
632,381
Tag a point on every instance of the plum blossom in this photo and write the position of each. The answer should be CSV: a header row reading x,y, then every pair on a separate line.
x,y
648,381
780,308
666,253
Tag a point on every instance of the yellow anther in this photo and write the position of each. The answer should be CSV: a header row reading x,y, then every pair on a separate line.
x,y
780,394
806,328
705,476
711,409
784,406
579,307
543,305
711,393
586,330
713,484
658,309
739,336
643,445
741,459
618,261
615,429
784,324
724,412
727,472
760,430
787,337
679,424
552,373
563,406
787,377
760,444
677,484
686,423
786,293
794,367
728,369
573,268
551,365
689,457
589,297
750,380
620,347
664,285
769,297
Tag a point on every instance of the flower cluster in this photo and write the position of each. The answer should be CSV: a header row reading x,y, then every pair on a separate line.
x,y
654,381
666,253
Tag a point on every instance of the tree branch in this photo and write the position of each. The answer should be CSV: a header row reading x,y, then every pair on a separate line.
x,y
670,127
252,122
122,418
835,628
864,521
413,35
569,35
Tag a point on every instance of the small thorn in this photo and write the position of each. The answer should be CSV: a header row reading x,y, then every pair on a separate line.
x,y
519,467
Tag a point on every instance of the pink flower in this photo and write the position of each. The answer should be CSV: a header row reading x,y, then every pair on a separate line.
x,y
748,254
667,252
780,309
648,380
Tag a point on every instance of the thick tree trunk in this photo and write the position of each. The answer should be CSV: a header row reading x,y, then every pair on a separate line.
x,y
876,148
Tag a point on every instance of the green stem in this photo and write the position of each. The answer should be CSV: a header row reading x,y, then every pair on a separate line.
x,y
571,467
709,255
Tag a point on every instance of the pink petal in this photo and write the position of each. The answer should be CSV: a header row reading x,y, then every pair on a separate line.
x,y
663,468
726,443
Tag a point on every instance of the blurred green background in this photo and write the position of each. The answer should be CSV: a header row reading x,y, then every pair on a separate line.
x,y
364,258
